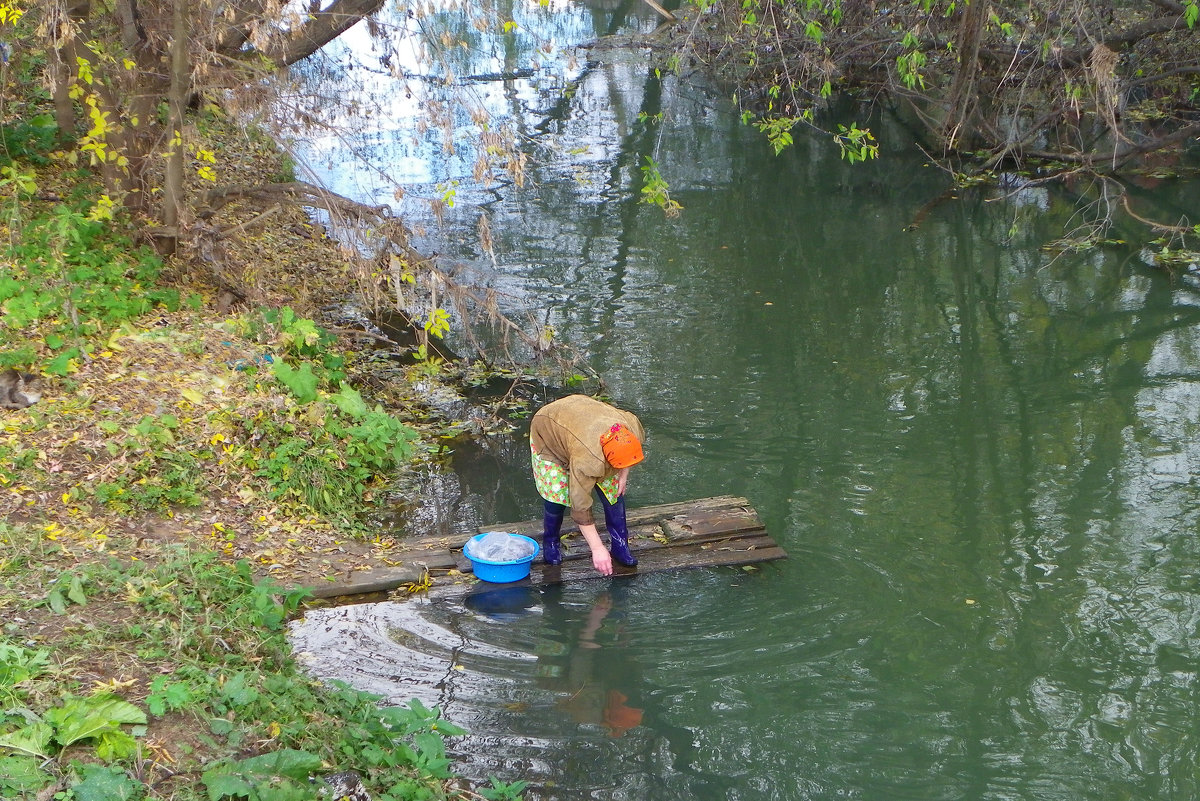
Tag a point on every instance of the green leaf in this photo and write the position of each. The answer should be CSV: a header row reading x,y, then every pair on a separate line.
x,y
431,754
19,664
75,592
166,696
81,718
349,401
58,603
237,693
32,740
223,785
22,776
288,762
240,779
448,729
105,783
302,382
61,364
220,726
115,744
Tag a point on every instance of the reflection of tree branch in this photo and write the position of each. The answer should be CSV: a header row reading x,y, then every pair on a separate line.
x,y
562,108
1119,155
1186,317
1164,227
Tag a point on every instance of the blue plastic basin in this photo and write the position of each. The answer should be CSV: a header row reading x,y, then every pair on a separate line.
x,y
501,572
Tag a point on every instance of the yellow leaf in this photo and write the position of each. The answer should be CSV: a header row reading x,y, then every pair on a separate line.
x,y
193,396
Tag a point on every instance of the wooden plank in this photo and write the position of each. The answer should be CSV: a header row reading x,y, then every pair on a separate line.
x,y
695,549
707,532
372,581
579,568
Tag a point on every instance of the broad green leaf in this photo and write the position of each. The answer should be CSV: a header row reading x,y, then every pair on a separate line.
x,y
115,744
21,776
448,729
301,382
75,592
220,726
61,364
57,601
237,693
287,762
80,718
105,783
431,754
19,664
32,740
167,695
224,785
350,401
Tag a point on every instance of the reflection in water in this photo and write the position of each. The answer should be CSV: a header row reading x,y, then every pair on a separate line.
x,y
549,681
569,668
981,458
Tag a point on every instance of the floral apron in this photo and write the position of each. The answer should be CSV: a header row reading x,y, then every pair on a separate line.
x,y
551,481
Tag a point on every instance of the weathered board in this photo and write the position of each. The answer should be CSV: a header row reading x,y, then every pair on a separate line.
x,y
708,532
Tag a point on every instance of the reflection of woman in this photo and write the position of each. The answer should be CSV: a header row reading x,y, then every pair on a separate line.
x,y
580,445
588,700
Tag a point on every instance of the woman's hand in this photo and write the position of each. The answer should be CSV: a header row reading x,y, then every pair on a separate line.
x,y
601,558
622,478
602,561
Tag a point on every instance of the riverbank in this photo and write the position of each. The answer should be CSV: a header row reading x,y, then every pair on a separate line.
x,y
191,459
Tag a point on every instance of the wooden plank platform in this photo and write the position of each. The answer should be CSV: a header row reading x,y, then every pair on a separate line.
x,y
708,532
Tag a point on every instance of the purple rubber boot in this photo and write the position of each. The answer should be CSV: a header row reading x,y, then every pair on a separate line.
x,y
618,532
551,531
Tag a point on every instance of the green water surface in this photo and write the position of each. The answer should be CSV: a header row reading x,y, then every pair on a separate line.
x,y
980,455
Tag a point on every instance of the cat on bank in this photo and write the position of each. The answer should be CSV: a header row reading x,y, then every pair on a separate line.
x,y
18,390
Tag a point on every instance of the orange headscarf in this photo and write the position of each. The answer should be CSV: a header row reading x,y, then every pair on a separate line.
x,y
621,447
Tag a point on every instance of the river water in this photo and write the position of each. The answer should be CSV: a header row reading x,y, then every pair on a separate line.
x,y
980,455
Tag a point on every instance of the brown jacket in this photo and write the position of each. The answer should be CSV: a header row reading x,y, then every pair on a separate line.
x,y
568,432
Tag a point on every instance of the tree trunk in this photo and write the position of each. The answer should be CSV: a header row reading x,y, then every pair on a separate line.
x,y
64,22
173,184
961,104
64,107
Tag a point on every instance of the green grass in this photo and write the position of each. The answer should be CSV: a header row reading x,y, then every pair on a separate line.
x,y
215,663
